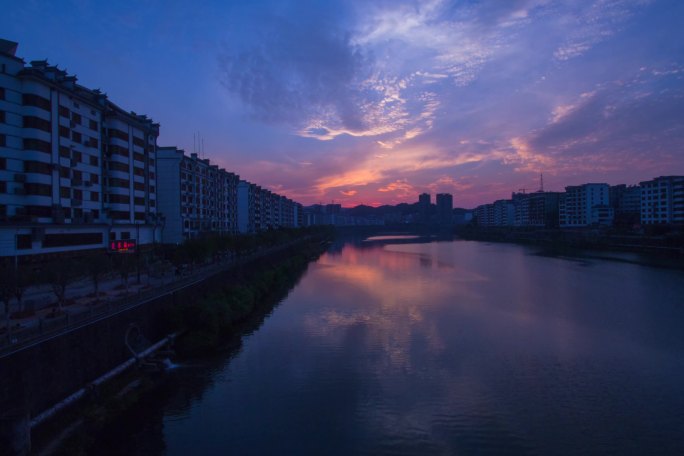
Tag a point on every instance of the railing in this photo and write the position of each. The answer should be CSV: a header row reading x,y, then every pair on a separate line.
x,y
45,328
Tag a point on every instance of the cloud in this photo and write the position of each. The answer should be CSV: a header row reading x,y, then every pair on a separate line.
x,y
594,24
400,187
296,67
348,192
633,122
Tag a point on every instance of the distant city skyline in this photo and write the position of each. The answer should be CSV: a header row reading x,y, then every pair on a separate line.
x,y
376,102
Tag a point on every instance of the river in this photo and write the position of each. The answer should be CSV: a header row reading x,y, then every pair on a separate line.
x,y
399,346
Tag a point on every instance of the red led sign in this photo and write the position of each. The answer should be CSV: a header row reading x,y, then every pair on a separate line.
x,y
123,246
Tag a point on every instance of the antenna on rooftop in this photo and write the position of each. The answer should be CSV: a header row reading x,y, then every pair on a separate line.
x,y
541,182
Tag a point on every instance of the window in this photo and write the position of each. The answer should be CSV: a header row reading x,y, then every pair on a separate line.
x,y
29,99
3,187
38,189
139,201
64,192
78,194
2,93
94,196
64,172
118,199
23,241
152,189
116,182
64,131
92,125
76,137
114,133
118,150
139,157
63,111
138,142
139,172
76,118
94,161
64,151
63,240
2,117
37,167
77,175
116,166
125,235
3,163
94,178
37,144
3,141
77,156
139,186
96,213
37,123
39,211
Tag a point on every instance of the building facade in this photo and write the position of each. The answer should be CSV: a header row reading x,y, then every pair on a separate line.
x,y
538,209
195,196
584,205
662,200
76,171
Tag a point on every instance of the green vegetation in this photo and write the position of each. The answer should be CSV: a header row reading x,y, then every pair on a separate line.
x,y
205,322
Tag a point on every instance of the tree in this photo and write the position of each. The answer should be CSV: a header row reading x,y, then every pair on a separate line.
x,y
97,265
60,275
124,265
6,289
24,277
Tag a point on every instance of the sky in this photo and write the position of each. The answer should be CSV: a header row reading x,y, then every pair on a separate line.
x,y
375,101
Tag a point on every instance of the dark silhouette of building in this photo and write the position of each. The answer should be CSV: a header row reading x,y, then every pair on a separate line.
x,y
445,206
424,207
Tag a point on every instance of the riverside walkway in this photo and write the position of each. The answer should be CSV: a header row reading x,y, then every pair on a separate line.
x,y
46,324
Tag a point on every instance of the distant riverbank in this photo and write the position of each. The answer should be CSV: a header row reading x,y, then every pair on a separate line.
x,y
662,251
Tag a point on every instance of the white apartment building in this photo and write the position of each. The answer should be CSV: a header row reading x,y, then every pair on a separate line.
x,y
584,205
195,197
260,209
662,200
76,171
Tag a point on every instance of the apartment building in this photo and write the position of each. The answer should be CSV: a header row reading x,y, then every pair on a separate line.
x,y
195,196
76,171
538,209
260,209
584,205
662,200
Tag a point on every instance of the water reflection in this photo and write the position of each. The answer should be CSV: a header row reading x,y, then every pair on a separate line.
x,y
448,348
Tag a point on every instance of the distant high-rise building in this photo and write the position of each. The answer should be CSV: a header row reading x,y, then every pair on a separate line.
x,y
424,207
445,206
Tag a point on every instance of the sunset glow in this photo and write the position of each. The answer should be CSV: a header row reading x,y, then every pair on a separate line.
x,y
376,102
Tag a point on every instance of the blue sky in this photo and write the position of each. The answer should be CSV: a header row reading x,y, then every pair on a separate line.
x,y
376,101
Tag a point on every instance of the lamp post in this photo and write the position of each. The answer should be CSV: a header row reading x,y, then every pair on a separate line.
x,y
137,248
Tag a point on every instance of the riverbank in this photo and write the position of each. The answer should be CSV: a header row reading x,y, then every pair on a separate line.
x,y
215,322
661,251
